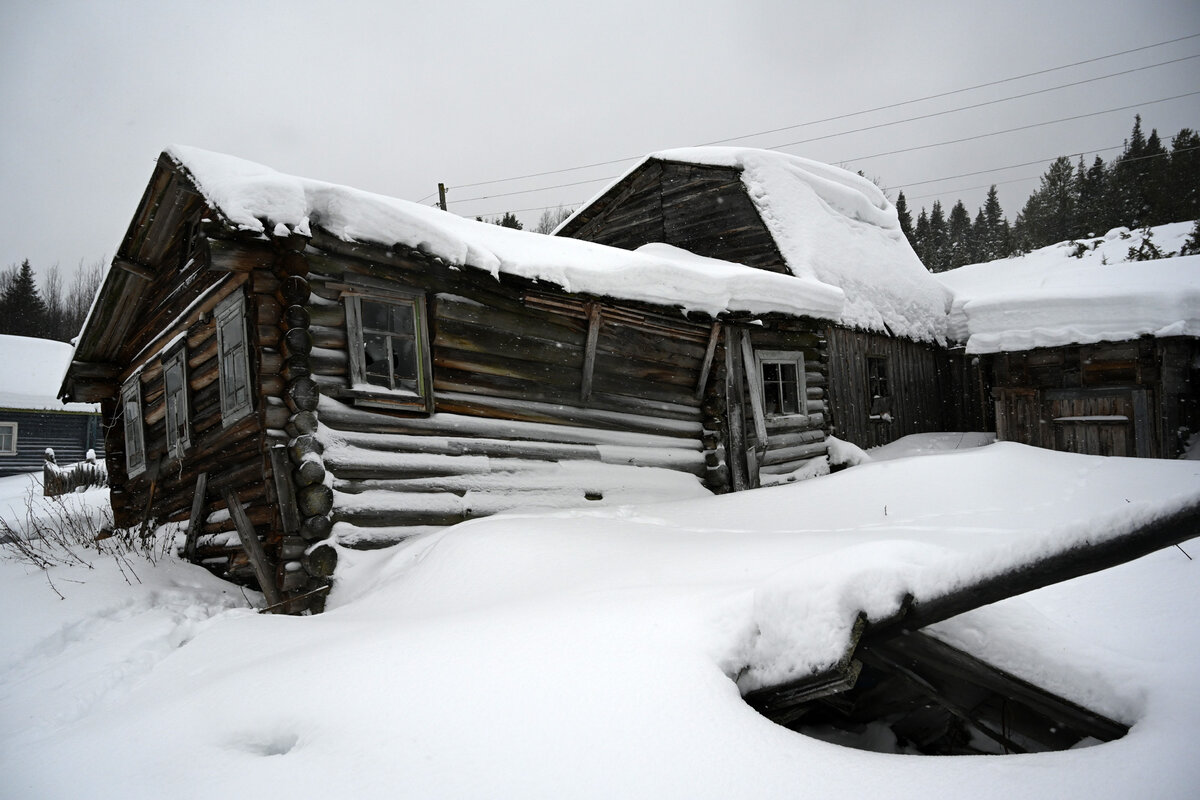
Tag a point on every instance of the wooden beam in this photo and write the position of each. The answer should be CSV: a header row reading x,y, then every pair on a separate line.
x,y
1082,559
1079,560
754,378
735,441
196,520
589,351
133,268
285,490
709,352
936,659
253,548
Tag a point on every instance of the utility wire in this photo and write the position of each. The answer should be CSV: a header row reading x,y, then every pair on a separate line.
x,y
981,105
1018,128
860,130
840,116
902,186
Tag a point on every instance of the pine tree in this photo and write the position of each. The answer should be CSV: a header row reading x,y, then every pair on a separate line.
x,y
1183,187
1191,246
958,239
905,217
1049,215
938,239
979,239
22,311
1095,212
997,243
921,239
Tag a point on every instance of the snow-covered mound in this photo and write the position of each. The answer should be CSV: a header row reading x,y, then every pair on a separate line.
x,y
837,228
594,653
1077,293
257,198
32,371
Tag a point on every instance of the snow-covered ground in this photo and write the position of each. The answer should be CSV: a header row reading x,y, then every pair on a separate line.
x,y
590,654
1077,292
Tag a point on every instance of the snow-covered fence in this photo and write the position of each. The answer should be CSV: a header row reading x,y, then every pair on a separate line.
x,y
84,474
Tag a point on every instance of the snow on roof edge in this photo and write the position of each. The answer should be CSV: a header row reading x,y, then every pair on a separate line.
x,y
251,197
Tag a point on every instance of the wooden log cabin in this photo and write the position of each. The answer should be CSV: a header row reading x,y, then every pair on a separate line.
x,y
32,419
1098,360
287,367
889,373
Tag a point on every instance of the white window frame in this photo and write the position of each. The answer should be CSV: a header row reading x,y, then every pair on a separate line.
x,y
791,357
178,418
391,396
233,372
135,430
12,428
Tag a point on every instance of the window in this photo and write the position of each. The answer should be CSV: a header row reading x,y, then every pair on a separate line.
x,y
8,438
131,407
878,388
234,359
175,393
783,389
389,351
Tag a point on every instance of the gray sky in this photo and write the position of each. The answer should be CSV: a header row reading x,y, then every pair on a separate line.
x,y
394,97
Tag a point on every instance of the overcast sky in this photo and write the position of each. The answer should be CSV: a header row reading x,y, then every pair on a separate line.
x,y
394,97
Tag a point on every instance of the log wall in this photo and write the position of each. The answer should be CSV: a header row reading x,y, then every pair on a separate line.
x,y
1130,398
916,404
540,400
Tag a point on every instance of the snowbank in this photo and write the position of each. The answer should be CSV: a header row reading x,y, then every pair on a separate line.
x,y
256,198
593,654
33,370
1049,298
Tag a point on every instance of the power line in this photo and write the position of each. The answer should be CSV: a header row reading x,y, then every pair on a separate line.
x,y
1018,128
867,128
1164,154
969,89
981,105
843,116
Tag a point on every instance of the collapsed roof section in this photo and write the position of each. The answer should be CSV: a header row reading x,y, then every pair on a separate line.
x,y
826,224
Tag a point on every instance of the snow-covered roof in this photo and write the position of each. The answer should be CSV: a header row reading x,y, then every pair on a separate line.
x,y
1077,293
837,228
32,371
257,198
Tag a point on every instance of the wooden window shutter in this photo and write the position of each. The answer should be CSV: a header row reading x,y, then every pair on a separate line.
x,y
234,359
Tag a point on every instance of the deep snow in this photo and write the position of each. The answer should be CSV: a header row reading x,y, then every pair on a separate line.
x,y
590,654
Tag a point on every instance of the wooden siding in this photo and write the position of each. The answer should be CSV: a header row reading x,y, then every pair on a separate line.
x,y
525,381
1133,398
69,434
700,208
916,405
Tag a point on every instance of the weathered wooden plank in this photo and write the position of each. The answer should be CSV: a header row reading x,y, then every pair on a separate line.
x,y
252,546
589,350
196,518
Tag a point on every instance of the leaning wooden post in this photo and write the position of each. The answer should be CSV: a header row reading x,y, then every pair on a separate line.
x,y
195,521
253,547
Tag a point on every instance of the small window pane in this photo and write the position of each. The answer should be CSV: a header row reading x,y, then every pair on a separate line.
x,y
374,316
402,319
7,438
378,365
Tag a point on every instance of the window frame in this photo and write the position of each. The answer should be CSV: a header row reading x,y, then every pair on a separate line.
x,y
232,367
794,358
14,428
135,429
179,432
368,394
879,404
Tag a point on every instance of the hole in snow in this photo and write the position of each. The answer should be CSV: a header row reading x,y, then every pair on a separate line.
x,y
277,745
593,496
917,695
